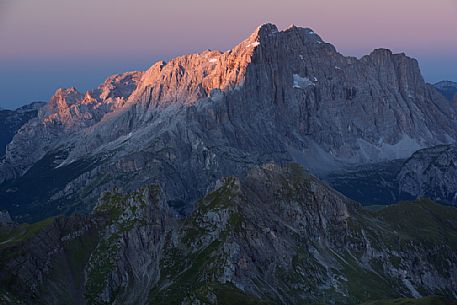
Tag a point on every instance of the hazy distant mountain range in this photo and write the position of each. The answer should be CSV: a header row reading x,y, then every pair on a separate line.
x,y
189,177
448,89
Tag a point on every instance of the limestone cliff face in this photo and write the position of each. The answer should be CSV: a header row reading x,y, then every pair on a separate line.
x,y
431,172
278,95
66,113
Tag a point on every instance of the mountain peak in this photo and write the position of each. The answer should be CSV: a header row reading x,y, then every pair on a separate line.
x,y
262,33
299,29
69,95
289,77
382,52
266,29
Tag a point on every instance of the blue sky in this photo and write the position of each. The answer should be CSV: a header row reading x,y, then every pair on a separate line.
x,y
49,44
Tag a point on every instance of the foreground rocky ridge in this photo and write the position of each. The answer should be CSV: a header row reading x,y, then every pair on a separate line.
x,y
276,236
278,95
112,253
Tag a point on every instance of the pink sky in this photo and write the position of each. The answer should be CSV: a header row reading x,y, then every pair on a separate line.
x,y
45,28
86,31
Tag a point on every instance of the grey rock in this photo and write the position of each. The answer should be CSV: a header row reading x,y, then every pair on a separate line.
x,y
5,218
67,113
12,120
290,239
428,173
432,173
282,96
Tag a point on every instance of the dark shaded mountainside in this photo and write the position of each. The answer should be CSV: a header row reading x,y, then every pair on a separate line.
x,y
276,236
278,96
429,172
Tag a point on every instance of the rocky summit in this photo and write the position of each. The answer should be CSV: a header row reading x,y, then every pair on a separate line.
x,y
201,181
277,96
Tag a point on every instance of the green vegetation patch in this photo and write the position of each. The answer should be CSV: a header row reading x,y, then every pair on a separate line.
x,y
363,284
230,295
431,300
190,272
189,279
122,213
12,235
423,221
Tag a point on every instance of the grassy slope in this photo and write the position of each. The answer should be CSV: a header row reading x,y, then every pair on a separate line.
x,y
431,300
423,220
13,235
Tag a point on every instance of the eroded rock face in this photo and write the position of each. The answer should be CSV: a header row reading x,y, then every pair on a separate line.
x,y
431,172
67,113
277,235
284,237
278,95
108,257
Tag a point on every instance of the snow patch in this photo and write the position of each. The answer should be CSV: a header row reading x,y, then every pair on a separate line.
x,y
301,82
338,68
213,60
65,163
254,44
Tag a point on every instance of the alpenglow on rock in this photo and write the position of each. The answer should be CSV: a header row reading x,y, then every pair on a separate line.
x,y
278,95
